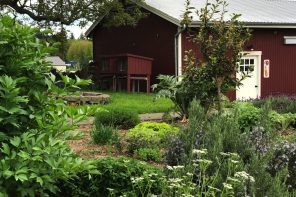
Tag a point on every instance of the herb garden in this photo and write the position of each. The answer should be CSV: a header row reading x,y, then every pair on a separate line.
x,y
225,149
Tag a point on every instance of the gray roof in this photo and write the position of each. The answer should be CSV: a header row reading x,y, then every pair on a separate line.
x,y
281,12
255,13
55,61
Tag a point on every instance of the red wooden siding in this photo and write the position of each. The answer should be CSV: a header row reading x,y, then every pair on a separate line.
x,y
152,37
139,66
282,60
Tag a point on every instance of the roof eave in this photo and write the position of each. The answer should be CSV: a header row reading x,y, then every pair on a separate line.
x,y
160,14
258,25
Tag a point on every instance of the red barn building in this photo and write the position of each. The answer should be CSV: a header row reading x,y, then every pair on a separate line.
x,y
272,49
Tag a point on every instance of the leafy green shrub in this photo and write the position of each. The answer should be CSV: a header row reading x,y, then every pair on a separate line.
x,y
248,115
120,118
149,135
281,104
34,124
116,175
104,134
148,154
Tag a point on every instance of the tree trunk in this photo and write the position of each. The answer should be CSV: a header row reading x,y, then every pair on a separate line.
x,y
219,81
219,98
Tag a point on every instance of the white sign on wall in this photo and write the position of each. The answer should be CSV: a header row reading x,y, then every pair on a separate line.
x,y
266,68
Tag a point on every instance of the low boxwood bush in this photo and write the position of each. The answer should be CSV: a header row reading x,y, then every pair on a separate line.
x,y
149,154
121,118
116,175
149,135
104,134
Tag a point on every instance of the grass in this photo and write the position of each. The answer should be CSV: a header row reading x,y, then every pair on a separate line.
x,y
139,102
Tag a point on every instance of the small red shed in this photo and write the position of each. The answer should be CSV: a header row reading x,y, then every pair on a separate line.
x,y
160,37
125,67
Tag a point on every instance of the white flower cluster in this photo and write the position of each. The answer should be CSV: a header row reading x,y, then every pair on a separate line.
x,y
245,176
137,179
174,167
199,152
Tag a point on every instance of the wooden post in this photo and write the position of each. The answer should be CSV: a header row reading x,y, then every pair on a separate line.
x,y
133,86
128,83
148,84
114,83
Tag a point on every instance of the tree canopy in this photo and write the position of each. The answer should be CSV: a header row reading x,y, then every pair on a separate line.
x,y
120,12
80,51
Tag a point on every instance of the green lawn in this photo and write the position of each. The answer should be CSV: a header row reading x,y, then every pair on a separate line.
x,y
138,102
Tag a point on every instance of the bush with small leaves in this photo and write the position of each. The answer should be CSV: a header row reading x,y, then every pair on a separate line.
x,y
104,134
148,154
121,118
149,135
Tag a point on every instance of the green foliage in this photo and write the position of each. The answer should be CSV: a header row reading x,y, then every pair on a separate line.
x,y
27,159
248,115
197,82
80,51
148,154
222,133
168,87
120,118
221,43
11,110
104,134
33,153
116,177
115,13
149,135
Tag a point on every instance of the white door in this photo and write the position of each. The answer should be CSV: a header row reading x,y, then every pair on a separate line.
x,y
250,88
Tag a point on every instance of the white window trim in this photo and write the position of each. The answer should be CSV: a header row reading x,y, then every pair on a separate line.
x,y
289,40
180,59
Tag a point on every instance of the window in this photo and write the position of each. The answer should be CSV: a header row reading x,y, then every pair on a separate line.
x,y
246,65
290,39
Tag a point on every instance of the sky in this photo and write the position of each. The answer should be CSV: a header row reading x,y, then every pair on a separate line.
x,y
76,30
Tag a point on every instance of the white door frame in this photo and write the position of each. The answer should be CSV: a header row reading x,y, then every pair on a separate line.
x,y
257,54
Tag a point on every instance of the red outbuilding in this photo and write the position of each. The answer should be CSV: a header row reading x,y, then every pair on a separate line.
x,y
159,39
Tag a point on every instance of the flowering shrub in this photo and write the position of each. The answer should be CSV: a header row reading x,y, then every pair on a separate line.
x,y
118,177
195,181
281,104
175,152
259,140
284,157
